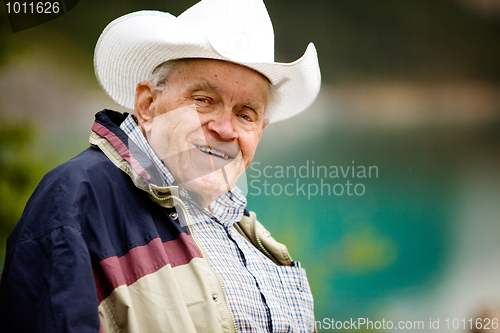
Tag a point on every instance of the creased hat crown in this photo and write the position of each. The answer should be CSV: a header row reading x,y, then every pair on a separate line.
x,y
244,35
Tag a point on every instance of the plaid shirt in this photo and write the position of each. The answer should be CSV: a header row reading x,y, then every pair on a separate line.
x,y
263,297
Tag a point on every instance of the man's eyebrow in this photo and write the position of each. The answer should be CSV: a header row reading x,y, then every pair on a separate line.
x,y
255,105
202,84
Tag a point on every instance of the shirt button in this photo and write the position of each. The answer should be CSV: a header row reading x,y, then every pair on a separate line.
x,y
266,233
214,297
174,215
181,193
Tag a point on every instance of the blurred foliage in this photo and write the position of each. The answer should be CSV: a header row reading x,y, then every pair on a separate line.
x,y
356,39
365,251
359,38
20,171
397,238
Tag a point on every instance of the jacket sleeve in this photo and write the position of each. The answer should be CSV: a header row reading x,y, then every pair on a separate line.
x,y
48,286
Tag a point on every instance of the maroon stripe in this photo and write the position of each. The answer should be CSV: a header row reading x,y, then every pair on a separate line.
x,y
121,148
143,260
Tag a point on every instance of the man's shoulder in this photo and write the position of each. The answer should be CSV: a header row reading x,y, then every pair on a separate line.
x,y
89,164
69,190
90,174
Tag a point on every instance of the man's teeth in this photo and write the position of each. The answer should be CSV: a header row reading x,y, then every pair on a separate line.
x,y
214,152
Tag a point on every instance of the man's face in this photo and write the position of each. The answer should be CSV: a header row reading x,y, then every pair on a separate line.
x,y
207,122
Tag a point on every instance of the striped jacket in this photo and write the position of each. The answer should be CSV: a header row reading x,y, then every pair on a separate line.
x,y
99,248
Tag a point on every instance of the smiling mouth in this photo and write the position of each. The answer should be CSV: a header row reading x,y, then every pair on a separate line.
x,y
213,152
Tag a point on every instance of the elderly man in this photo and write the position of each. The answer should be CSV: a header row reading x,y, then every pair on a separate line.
x,y
145,231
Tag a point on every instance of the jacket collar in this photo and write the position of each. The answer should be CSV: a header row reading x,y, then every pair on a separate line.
x,y
107,135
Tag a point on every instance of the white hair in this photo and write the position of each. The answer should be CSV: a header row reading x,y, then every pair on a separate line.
x,y
159,78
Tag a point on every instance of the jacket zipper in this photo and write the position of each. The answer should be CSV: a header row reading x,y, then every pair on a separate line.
x,y
195,238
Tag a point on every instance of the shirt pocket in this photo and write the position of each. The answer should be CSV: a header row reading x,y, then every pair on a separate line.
x,y
297,296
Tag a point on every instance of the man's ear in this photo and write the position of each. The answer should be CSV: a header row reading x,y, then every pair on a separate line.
x,y
265,123
145,95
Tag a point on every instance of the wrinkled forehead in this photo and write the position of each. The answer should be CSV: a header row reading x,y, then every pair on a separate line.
x,y
213,75
206,64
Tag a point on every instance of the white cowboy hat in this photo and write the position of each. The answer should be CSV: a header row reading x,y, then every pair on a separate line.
x,y
239,31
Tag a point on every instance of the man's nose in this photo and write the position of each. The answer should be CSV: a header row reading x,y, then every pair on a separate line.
x,y
222,124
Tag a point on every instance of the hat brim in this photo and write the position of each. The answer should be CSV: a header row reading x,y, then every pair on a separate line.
x,y
133,45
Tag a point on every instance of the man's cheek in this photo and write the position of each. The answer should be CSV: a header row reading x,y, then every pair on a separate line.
x,y
160,144
234,169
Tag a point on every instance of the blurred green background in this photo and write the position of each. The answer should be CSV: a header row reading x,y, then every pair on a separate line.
x,y
411,87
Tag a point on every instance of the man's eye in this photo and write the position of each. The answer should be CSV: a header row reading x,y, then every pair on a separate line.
x,y
244,116
202,100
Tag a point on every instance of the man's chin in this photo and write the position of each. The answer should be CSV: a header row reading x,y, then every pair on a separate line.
x,y
209,186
